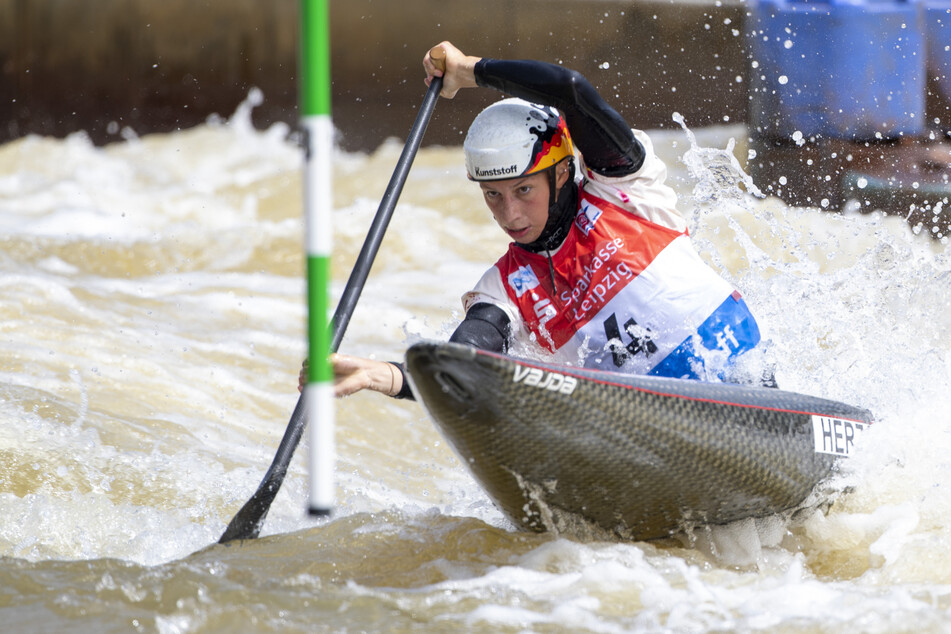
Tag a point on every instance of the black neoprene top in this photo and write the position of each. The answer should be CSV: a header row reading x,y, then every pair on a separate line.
x,y
601,135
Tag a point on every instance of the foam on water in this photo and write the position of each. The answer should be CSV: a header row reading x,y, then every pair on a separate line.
x,y
855,309
151,310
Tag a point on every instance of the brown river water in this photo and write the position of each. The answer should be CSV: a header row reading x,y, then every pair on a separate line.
x,y
151,331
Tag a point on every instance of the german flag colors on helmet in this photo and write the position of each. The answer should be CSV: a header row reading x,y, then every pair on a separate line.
x,y
513,138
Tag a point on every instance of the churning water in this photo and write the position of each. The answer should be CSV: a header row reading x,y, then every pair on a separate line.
x,y
152,318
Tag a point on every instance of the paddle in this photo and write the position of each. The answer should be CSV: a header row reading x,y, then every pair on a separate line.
x,y
247,523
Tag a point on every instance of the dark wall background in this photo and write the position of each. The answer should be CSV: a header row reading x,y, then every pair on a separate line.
x,y
161,65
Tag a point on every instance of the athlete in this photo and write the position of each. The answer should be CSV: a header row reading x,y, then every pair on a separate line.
x,y
601,271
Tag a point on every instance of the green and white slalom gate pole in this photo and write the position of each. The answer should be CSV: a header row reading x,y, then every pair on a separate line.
x,y
316,404
318,205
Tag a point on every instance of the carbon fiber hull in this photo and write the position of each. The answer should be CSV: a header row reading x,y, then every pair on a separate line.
x,y
638,457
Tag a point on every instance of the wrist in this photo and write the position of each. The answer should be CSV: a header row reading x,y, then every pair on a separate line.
x,y
391,382
401,385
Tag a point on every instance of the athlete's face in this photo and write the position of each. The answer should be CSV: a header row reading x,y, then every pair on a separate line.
x,y
520,205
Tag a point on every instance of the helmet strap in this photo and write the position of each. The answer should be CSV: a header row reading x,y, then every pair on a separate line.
x,y
562,208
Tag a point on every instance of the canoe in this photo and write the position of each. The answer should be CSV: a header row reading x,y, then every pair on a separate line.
x,y
566,449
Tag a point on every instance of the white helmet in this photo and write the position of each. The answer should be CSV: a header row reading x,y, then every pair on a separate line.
x,y
514,138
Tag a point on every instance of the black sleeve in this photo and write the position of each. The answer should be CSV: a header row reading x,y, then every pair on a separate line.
x,y
601,135
406,391
485,327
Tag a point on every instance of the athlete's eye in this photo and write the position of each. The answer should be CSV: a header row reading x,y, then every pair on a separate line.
x,y
525,189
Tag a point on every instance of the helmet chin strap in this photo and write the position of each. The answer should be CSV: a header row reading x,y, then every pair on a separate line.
x,y
561,211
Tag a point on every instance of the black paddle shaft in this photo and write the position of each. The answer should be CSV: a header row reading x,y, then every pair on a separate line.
x,y
358,276
247,523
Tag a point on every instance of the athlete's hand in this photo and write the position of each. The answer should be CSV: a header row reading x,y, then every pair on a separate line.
x,y
353,374
459,69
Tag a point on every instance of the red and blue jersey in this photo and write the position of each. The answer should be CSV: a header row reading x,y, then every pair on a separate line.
x,y
626,290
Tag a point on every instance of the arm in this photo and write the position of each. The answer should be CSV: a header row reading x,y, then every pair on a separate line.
x,y
600,133
486,326
352,374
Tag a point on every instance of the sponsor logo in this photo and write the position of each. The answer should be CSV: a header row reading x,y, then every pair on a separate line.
x,y
522,279
836,436
552,381
545,311
587,218
601,279
496,171
640,340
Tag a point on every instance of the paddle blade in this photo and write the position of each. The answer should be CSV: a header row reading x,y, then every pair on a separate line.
x,y
247,523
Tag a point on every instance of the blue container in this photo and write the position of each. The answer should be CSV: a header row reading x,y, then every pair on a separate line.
x,y
938,20
837,69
